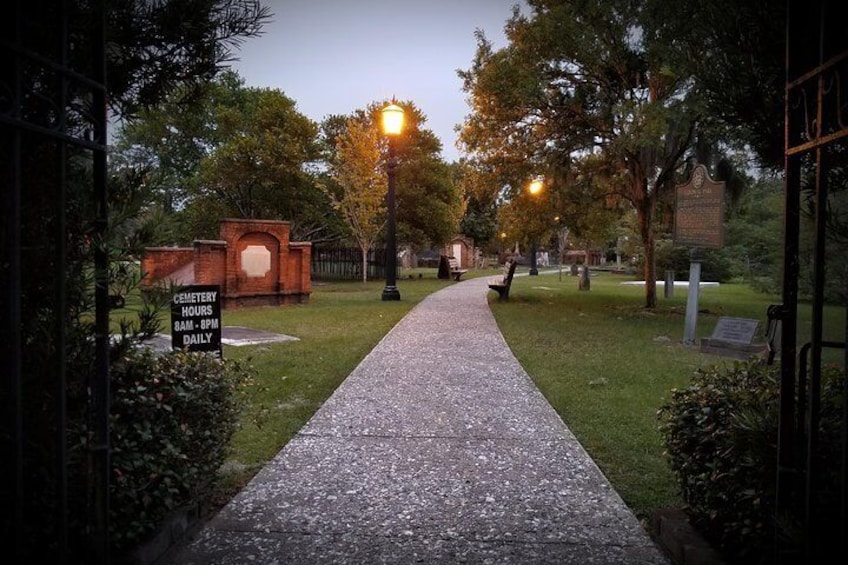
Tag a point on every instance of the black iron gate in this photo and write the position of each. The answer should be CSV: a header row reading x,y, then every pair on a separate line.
x,y
811,476
334,262
54,434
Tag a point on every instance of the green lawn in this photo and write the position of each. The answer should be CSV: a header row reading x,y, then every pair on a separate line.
x,y
606,364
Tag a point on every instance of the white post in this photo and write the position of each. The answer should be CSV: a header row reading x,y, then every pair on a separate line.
x,y
669,284
692,302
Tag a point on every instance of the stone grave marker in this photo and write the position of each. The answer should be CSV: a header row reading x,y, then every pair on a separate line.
x,y
734,337
735,330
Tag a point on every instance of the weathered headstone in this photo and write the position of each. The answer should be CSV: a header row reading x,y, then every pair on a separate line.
x,y
584,283
668,288
196,318
735,330
733,337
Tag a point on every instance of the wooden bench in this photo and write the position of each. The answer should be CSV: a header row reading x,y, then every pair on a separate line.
x,y
455,270
502,284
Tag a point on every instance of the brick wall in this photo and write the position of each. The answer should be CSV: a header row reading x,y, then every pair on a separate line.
x,y
298,279
210,260
159,262
274,235
254,263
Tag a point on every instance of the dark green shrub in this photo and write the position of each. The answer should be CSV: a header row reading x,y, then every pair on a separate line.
x,y
720,434
172,420
715,266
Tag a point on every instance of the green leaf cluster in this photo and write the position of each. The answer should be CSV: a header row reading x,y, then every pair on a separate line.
x,y
226,150
357,169
171,423
720,434
429,201
583,96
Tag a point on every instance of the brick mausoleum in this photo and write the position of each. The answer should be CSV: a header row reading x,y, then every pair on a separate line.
x,y
254,263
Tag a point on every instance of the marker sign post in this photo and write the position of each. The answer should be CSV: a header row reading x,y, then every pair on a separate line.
x,y
698,222
196,319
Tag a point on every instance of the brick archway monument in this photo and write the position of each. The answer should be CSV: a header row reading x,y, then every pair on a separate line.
x,y
254,262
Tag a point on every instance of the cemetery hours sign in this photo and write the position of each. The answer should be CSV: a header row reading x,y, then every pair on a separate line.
x,y
196,318
699,211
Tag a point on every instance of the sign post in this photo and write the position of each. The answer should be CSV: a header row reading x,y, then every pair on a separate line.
x,y
692,302
196,319
698,222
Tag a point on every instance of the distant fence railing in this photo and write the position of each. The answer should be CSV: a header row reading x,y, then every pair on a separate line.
x,y
345,263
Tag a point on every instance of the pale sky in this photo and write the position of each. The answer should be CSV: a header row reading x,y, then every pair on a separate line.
x,y
336,56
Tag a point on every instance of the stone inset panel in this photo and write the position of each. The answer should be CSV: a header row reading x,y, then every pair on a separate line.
x,y
257,258
256,261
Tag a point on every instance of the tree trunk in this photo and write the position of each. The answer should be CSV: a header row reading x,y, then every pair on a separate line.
x,y
364,264
644,213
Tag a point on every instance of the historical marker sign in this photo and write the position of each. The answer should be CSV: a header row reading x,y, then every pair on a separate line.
x,y
699,211
735,330
196,318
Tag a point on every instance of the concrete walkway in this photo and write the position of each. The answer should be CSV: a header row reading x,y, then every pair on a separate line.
x,y
436,449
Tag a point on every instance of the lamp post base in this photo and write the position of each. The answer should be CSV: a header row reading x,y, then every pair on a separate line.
x,y
391,293
533,270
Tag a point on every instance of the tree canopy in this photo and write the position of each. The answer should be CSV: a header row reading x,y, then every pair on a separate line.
x,y
158,48
581,79
357,168
429,202
735,53
233,151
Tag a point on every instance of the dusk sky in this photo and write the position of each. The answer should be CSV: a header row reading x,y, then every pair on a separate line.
x,y
336,56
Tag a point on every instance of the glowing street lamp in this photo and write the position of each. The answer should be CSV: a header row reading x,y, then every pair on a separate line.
x,y
535,186
392,119
392,127
534,189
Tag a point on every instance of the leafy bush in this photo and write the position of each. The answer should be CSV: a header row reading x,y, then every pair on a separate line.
x,y
172,420
714,264
721,440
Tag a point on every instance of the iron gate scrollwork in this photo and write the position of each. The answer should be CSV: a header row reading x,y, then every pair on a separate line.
x,y
54,434
811,459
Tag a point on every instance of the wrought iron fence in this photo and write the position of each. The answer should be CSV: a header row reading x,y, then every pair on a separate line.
x,y
55,397
816,114
345,263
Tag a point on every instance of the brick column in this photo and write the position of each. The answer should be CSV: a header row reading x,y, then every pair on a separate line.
x,y
210,262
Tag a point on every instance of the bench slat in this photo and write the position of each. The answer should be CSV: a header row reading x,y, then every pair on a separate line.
x,y
502,286
455,269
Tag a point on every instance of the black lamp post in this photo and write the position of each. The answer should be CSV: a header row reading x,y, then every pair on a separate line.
x,y
534,188
392,126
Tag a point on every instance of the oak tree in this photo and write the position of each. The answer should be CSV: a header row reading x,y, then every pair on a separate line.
x,y
576,79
